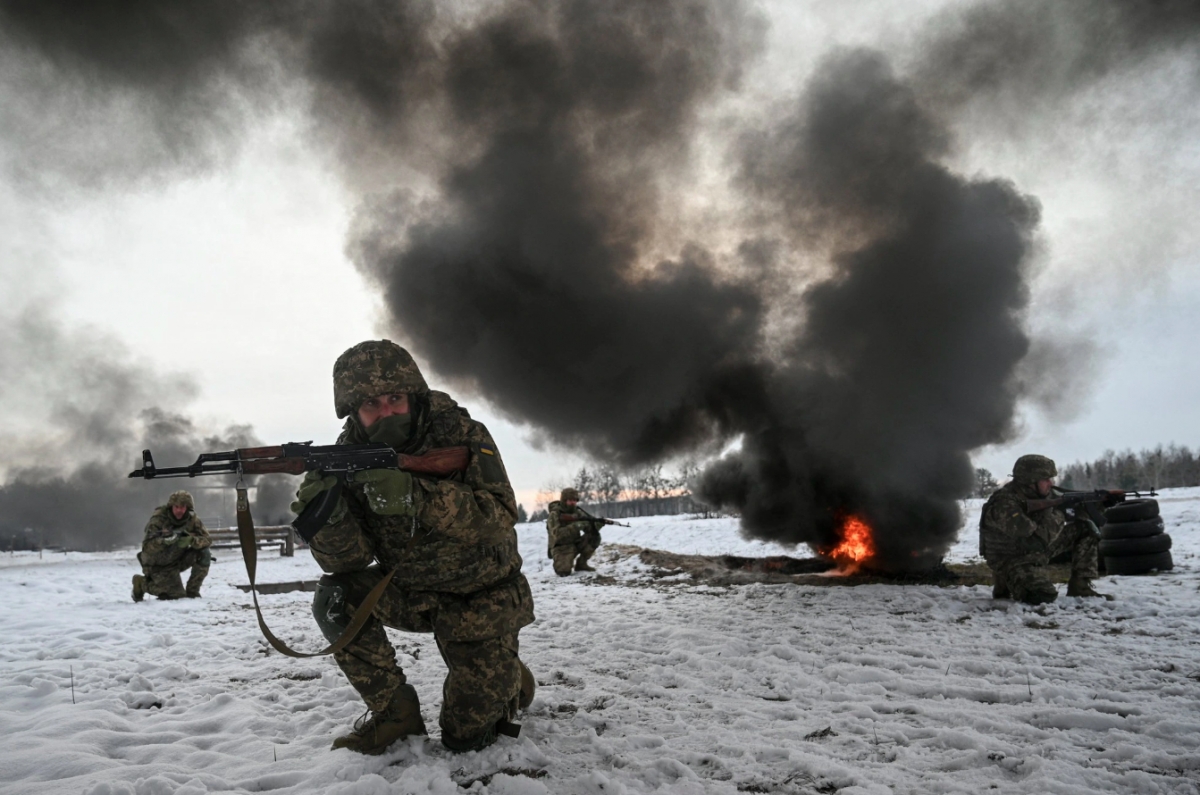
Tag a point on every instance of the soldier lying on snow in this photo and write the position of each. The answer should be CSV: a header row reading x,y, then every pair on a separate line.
x,y
175,541
452,544
1018,543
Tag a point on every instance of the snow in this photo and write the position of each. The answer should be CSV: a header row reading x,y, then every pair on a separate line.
x,y
646,684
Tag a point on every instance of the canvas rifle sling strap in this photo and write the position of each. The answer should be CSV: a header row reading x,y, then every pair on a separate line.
x,y
245,525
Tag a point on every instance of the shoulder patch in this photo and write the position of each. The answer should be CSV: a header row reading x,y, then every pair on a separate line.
x,y
489,463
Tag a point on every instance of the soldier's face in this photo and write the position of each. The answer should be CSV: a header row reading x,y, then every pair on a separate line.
x,y
571,503
1044,486
178,511
374,409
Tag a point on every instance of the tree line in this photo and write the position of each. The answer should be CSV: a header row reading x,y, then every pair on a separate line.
x,y
1160,468
606,484
1167,467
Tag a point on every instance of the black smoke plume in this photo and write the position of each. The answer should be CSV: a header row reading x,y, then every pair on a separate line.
x,y
89,411
528,277
905,359
1018,54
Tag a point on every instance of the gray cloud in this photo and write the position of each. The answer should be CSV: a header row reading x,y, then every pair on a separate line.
x,y
87,409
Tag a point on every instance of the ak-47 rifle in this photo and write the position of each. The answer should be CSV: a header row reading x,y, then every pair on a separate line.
x,y
599,520
296,458
1090,501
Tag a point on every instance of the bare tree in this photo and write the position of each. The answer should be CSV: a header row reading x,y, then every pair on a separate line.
x,y
654,484
608,484
689,470
585,482
985,484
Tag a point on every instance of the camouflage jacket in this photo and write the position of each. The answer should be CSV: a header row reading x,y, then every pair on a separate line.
x,y
462,539
162,531
1007,530
566,526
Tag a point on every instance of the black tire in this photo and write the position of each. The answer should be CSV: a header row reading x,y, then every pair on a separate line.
x,y
1139,564
1132,511
1124,547
1142,529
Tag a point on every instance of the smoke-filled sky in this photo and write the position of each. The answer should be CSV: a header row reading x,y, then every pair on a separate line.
x,y
865,246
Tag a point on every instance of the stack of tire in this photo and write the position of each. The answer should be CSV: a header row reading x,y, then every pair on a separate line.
x,y
1132,541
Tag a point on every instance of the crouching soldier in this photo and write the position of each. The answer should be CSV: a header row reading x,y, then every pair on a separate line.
x,y
452,547
175,541
574,534
1018,543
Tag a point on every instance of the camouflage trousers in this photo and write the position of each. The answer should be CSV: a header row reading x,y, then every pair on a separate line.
x,y
476,635
166,582
1026,578
569,554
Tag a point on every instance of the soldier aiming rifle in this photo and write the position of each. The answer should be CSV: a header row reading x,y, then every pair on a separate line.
x,y
573,533
1028,522
411,515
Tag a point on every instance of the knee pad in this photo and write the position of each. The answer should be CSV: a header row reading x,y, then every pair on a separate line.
x,y
204,558
329,607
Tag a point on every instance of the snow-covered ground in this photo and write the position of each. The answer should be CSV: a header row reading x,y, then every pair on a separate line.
x,y
673,687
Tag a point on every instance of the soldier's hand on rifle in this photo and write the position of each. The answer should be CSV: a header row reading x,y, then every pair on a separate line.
x,y
183,541
389,492
312,485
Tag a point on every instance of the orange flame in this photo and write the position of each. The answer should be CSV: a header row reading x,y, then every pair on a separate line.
x,y
857,544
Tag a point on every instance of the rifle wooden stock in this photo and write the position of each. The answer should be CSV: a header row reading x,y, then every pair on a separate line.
x,y
440,461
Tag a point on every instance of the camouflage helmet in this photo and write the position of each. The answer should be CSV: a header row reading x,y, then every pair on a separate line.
x,y
181,498
569,494
1032,468
371,368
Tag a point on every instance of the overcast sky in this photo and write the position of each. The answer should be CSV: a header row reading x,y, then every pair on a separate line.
x,y
236,275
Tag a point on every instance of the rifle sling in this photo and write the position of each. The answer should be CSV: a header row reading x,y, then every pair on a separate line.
x,y
245,524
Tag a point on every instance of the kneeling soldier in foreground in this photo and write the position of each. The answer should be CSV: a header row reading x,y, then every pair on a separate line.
x,y
451,544
1018,543
175,541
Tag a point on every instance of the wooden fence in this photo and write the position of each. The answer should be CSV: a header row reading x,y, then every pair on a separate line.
x,y
269,535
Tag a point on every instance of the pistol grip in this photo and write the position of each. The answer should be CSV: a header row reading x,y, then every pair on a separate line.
x,y
317,513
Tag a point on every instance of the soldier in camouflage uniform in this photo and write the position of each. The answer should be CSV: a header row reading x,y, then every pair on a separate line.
x,y
452,545
1018,544
574,534
175,541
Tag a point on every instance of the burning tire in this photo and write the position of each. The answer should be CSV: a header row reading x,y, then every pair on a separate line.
x,y
1139,564
1132,511
1126,547
1142,529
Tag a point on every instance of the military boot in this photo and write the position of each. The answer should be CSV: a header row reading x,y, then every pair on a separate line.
x,y
374,732
528,686
1082,586
582,563
1000,587
139,587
